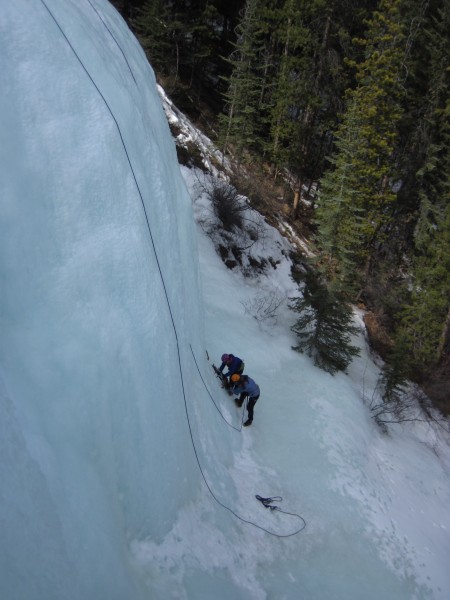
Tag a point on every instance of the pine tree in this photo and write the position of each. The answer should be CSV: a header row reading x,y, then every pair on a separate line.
x,y
178,37
423,321
200,38
366,137
310,37
339,213
324,328
159,30
242,99
290,35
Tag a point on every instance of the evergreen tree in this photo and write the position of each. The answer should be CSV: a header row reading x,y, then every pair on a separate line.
x,y
311,38
324,327
200,39
178,37
319,90
242,99
339,213
366,136
159,30
423,320
290,37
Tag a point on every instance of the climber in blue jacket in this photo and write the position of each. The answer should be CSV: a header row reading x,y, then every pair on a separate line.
x,y
244,387
234,364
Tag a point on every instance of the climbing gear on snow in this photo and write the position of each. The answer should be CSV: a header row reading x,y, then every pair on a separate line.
x,y
267,502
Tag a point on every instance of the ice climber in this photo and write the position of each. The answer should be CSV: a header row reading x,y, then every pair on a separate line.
x,y
244,387
234,364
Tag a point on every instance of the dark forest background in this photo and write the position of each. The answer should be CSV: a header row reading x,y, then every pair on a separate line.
x,y
342,109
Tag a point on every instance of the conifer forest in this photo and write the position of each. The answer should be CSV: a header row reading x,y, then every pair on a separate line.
x,y
346,106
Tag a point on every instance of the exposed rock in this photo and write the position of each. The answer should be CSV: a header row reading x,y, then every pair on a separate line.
x,y
378,336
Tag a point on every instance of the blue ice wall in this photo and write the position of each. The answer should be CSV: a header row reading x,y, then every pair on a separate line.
x,y
99,302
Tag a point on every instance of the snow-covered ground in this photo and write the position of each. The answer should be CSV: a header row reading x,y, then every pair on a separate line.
x,y
125,473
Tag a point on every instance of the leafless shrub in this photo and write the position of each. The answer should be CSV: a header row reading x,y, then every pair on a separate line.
x,y
228,205
407,405
231,223
264,307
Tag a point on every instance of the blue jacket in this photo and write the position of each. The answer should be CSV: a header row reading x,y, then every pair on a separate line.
x,y
248,386
233,367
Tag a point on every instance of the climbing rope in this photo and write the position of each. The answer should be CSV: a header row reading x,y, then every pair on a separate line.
x,y
114,38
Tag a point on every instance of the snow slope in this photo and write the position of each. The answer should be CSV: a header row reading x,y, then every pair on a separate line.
x,y
121,478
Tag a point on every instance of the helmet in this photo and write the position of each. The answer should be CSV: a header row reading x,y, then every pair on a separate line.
x,y
235,378
225,358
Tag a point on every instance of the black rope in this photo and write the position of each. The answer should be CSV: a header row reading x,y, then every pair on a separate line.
x,y
114,38
165,291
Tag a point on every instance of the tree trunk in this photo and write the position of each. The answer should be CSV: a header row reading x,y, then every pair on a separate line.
x,y
296,202
323,51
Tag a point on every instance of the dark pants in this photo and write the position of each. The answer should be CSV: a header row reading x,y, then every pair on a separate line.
x,y
250,404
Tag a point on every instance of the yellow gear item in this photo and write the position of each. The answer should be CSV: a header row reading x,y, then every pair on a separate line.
x,y
235,378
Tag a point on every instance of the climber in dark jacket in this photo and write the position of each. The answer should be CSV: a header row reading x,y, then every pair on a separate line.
x,y
244,387
234,364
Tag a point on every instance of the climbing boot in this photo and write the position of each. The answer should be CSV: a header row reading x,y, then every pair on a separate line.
x,y
247,423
